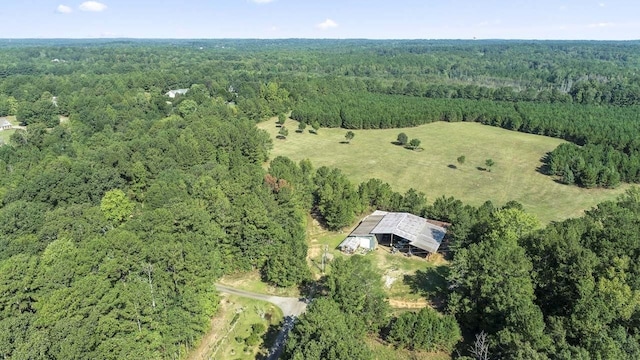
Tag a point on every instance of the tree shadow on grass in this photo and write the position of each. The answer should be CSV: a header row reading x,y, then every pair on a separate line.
x,y
544,168
430,283
268,340
451,166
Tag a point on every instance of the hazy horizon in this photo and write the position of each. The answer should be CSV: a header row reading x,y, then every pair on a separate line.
x,y
327,19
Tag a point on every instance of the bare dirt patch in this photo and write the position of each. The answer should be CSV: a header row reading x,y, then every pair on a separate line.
x,y
405,304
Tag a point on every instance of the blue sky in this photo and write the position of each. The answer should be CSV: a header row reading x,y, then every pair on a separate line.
x,y
375,19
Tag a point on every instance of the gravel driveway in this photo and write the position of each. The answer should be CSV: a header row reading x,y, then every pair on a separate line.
x,y
290,306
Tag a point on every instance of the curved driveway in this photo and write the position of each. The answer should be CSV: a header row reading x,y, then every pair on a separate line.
x,y
290,306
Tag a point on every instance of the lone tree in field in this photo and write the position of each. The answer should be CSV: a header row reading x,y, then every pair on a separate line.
x,y
315,126
349,135
283,133
281,119
301,127
402,139
461,159
414,144
489,163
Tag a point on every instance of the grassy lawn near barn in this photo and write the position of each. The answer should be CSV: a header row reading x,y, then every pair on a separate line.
x,y
435,171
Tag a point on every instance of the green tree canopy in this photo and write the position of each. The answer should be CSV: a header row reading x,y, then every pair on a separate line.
x,y
325,332
349,136
414,143
489,163
425,330
356,286
402,139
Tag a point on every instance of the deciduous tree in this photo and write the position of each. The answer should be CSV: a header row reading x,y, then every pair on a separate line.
x,y
283,132
489,163
349,136
402,139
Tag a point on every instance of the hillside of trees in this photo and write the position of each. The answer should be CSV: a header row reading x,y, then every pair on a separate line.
x,y
115,223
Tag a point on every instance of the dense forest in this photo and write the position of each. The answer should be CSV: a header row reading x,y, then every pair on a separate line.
x,y
116,220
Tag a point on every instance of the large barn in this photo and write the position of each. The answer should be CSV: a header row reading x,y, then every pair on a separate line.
x,y
395,227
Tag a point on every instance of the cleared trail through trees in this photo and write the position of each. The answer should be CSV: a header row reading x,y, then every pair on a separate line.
x,y
291,309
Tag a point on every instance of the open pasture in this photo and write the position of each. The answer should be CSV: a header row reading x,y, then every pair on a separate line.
x,y
435,171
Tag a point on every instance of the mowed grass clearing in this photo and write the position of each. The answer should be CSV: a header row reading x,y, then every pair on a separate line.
x,y
5,136
372,154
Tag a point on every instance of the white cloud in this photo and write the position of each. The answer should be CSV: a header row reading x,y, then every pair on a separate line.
x,y
261,1
64,9
602,4
327,24
92,6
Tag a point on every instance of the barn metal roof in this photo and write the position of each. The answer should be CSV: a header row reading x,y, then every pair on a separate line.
x,y
366,225
417,230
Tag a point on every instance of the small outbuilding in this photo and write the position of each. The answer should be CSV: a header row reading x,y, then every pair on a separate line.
x,y
418,234
173,93
5,124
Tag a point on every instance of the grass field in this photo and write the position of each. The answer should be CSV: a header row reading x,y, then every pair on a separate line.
x,y
251,281
513,177
5,135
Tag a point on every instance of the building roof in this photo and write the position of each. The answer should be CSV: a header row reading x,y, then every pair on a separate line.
x,y
366,225
173,93
420,233
4,122
350,244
